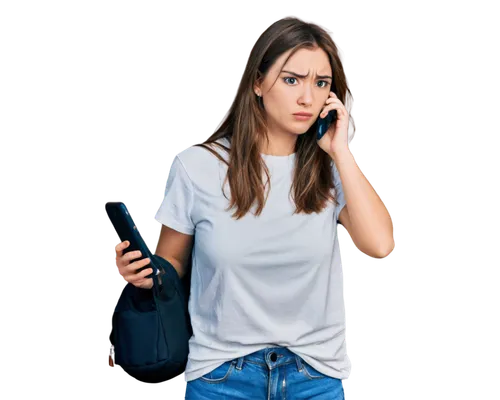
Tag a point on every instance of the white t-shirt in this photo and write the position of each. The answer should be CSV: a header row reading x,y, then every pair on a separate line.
x,y
271,280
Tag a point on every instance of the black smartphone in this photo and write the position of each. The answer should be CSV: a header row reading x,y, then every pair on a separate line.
x,y
324,123
127,230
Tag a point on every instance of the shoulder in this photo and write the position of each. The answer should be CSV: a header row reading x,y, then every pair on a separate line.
x,y
200,164
197,155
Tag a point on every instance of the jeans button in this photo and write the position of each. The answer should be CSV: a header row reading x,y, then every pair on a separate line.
x,y
274,357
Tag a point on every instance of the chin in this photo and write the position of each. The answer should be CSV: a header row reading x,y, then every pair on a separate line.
x,y
300,131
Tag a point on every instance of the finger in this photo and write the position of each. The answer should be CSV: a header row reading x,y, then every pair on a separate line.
x,y
133,267
328,108
120,246
131,271
132,255
145,273
332,100
339,107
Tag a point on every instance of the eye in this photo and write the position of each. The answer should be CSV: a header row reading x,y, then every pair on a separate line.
x,y
291,77
285,79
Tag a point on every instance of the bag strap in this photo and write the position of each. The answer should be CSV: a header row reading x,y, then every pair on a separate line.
x,y
158,272
166,274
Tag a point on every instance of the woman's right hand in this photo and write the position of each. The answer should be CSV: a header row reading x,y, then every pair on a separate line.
x,y
128,268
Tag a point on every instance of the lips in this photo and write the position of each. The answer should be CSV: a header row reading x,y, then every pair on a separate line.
x,y
303,114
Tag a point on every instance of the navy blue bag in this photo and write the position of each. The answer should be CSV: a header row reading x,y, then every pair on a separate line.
x,y
151,327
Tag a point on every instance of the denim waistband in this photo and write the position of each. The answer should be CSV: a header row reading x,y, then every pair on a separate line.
x,y
272,357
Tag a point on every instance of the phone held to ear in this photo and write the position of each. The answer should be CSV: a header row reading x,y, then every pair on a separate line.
x,y
324,123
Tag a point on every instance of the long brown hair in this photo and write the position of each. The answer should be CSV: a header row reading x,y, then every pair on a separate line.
x,y
245,125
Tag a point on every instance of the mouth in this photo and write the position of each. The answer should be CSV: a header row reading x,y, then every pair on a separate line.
x,y
302,116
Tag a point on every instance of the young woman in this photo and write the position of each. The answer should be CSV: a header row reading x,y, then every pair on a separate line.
x,y
266,298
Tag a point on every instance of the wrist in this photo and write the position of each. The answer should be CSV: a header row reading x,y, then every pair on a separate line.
x,y
338,155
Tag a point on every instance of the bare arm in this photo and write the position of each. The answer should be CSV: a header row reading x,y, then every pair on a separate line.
x,y
366,219
175,247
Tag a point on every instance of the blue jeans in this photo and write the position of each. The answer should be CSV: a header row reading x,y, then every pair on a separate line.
x,y
273,373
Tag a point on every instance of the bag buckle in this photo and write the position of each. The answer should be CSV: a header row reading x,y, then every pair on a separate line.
x,y
110,359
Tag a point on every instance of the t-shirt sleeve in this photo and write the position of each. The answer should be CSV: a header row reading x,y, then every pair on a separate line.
x,y
175,209
339,191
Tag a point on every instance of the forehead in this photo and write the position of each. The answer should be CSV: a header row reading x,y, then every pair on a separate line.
x,y
304,60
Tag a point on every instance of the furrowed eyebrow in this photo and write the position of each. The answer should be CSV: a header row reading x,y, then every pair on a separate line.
x,y
304,76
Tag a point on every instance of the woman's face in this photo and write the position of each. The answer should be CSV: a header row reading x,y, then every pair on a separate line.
x,y
291,94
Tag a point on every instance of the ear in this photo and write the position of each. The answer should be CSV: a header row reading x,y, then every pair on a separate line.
x,y
256,90
257,87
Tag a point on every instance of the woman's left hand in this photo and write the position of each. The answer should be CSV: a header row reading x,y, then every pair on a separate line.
x,y
335,138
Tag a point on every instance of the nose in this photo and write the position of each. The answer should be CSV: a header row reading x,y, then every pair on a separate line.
x,y
307,98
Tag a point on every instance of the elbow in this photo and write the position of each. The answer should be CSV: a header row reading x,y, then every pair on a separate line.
x,y
178,266
385,250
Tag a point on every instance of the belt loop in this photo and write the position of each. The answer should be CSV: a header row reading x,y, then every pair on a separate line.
x,y
299,363
239,363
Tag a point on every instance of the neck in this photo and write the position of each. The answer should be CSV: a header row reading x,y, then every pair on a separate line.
x,y
280,143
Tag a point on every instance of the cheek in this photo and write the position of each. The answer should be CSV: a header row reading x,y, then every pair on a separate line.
x,y
273,107
278,105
